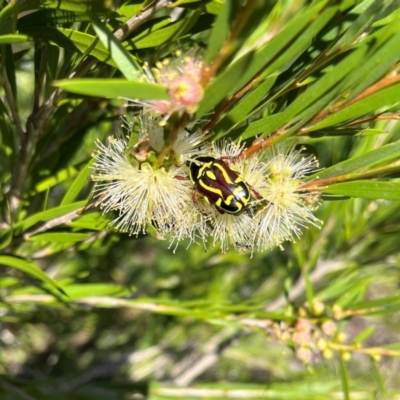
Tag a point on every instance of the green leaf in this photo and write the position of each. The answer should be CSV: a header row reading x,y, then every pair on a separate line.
x,y
219,32
344,377
283,49
60,237
364,335
323,91
381,101
48,215
58,177
382,155
77,291
14,38
72,40
383,53
126,63
80,6
366,12
8,18
221,85
78,184
240,112
366,190
56,17
354,293
29,268
94,221
273,122
385,302
114,88
247,66
153,37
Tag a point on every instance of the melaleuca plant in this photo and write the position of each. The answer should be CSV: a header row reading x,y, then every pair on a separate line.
x,y
234,131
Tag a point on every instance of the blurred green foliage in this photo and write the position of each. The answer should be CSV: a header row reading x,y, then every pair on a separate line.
x,y
86,312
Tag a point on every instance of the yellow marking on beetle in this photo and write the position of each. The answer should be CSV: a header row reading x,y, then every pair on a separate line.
x,y
218,202
238,179
225,175
209,188
239,193
211,175
202,168
229,199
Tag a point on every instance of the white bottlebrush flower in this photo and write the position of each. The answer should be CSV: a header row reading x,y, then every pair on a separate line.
x,y
228,230
149,184
182,79
131,182
287,212
278,210
189,146
140,193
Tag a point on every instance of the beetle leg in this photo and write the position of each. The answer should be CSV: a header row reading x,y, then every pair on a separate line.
x,y
255,192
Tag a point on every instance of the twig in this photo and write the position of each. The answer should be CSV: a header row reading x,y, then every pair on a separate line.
x,y
188,370
137,20
56,221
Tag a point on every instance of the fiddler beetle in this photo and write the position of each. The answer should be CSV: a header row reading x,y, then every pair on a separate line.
x,y
219,184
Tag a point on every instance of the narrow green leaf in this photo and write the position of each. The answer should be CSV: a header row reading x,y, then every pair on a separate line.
x,y
366,12
309,289
383,54
114,88
29,268
354,293
220,32
8,19
147,29
240,112
94,221
313,100
324,90
77,291
382,155
60,237
381,101
214,6
80,6
14,38
158,37
270,123
57,17
364,335
222,84
48,215
272,57
366,190
72,40
303,40
246,67
78,184
344,378
379,303
51,181
126,63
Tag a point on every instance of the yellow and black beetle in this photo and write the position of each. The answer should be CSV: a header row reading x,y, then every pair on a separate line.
x,y
219,184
